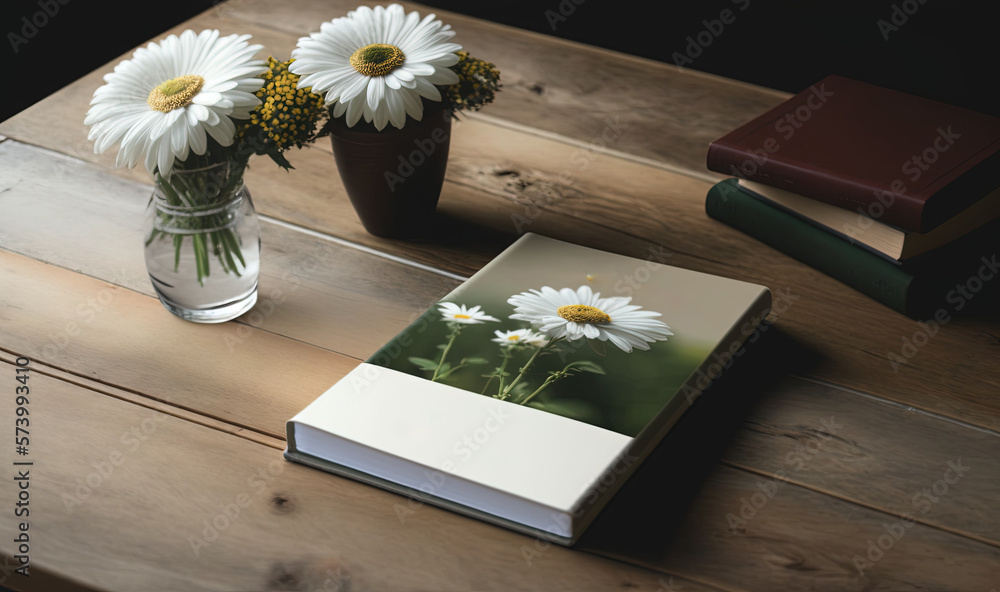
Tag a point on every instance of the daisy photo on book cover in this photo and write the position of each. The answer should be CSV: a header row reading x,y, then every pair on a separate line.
x,y
551,334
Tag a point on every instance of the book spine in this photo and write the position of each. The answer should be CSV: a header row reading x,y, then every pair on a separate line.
x,y
856,267
902,210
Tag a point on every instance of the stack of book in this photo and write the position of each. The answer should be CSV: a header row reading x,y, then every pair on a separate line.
x,y
893,194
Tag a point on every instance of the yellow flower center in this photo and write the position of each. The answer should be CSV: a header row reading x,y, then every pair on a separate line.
x,y
462,316
513,338
175,93
377,59
581,313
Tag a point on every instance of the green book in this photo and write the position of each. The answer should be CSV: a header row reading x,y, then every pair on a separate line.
x,y
942,280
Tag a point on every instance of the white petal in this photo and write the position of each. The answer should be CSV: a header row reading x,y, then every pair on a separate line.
x,y
391,81
443,76
207,98
396,109
355,109
376,92
417,69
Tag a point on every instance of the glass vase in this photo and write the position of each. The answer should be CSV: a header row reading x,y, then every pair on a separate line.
x,y
202,243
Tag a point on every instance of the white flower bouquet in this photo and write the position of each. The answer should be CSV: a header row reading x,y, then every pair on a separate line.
x,y
379,63
194,108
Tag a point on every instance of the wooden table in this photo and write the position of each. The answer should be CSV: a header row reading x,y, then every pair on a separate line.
x,y
817,463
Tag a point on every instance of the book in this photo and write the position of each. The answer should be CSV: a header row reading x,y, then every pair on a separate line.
x,y
904,160
893,243
918,288
528,395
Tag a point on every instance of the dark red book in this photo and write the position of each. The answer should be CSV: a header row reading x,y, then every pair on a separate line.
x,y
903,160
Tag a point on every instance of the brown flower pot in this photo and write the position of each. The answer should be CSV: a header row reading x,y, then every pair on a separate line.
x,y
394,176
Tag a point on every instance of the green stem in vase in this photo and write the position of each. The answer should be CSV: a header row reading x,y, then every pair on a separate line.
x,y
199,188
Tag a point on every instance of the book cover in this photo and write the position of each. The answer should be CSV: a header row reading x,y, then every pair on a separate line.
x,y
890,242
904,160
917,288
528,395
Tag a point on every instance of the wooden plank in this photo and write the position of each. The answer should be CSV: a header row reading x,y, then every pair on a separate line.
x,y
795,507
305,525
39,367
793,433
800,540
831,440
549,84
564,88
310,319
501,176
109,334
318,291
244,390
132,510
781,531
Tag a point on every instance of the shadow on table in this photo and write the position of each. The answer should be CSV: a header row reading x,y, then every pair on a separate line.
x,y
642,521
447,230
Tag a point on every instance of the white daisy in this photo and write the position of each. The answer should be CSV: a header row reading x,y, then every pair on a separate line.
x,y
467,316
582,313
519,337
160,104
377,63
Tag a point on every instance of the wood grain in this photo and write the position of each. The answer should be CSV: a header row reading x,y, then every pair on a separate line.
x,y
569,89
306,525
320,291
517,184
873,453
113,335
338,278
36,292
550,85
584,145
799,540
157,485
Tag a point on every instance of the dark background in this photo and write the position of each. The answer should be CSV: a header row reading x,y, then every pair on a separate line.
x,y
946,49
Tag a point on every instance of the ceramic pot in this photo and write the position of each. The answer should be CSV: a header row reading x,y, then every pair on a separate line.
x,y
393,177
